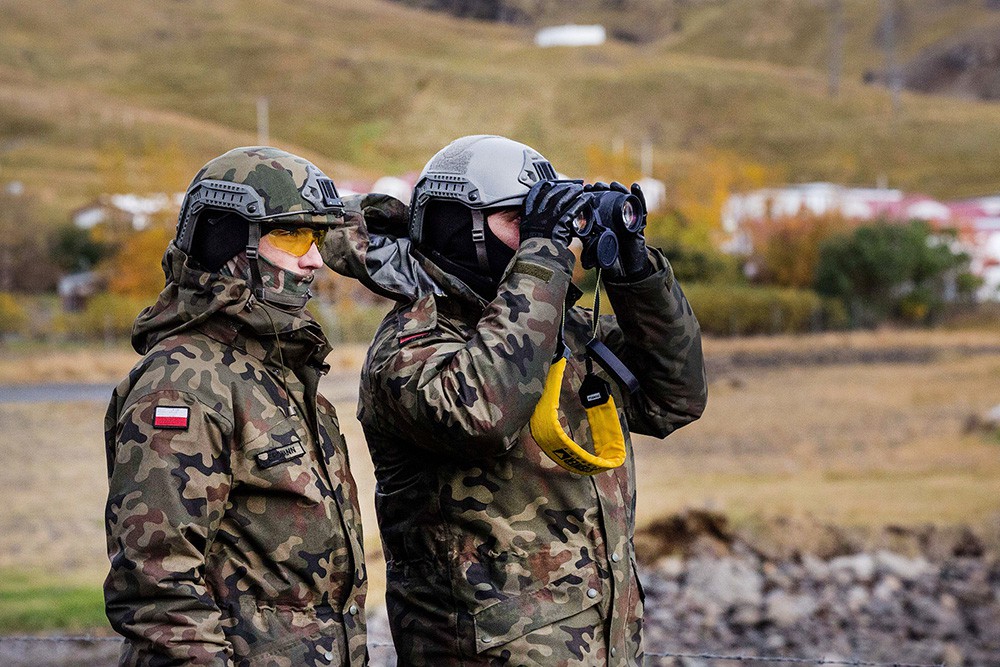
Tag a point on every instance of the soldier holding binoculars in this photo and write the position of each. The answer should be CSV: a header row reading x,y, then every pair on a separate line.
x,y
506,542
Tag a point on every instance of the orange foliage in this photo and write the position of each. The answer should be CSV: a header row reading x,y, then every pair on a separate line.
x,y
699,191
786,249
135,269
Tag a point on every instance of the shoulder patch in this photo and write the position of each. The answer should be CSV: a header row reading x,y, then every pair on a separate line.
x,y
417,321
171,416
529,269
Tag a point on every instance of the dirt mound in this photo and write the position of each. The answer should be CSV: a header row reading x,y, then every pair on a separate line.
x,y
698,533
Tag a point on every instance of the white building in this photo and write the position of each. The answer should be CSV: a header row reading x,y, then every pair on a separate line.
x,y
571,35
134,210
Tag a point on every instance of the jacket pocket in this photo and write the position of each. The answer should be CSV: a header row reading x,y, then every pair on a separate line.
x,y
516,616
298,637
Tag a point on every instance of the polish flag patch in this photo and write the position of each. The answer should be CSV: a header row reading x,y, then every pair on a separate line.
x,y
171,417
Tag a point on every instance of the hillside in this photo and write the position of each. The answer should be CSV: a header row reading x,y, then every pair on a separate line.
x,y
110,94
793,33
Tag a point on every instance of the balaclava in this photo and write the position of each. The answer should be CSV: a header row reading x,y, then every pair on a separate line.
x,y
448,240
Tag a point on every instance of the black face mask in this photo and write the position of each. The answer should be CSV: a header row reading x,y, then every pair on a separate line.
x,y
448,240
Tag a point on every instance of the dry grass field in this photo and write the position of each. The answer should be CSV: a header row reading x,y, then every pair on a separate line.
x,y
789,431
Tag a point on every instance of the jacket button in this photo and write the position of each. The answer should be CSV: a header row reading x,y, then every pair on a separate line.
x,y
487,639
328,656
352,610
591,593
615,557
614,651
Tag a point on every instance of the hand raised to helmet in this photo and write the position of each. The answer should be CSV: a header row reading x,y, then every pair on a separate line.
x,y
549,210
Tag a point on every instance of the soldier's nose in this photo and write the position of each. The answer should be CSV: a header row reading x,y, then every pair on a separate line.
x,y
312,259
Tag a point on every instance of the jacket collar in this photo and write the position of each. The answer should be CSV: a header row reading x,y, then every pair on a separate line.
x,y
224,308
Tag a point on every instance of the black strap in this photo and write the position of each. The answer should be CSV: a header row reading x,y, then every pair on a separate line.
x,y
602,354
263,294
612,365
253,245
479,238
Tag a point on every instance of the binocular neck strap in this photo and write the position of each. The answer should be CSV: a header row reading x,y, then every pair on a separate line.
x,y
602,415
605,427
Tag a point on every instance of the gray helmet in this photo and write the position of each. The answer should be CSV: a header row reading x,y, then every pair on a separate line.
x,y
480,171
260,186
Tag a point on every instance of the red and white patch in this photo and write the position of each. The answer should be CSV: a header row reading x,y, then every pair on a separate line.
x,y
171,417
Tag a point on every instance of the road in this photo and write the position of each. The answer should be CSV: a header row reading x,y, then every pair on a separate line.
x,y
339,387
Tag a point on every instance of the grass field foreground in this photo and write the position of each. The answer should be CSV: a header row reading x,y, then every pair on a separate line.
x,y
853,444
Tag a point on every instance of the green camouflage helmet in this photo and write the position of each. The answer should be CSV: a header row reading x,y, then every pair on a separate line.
x,y
237,193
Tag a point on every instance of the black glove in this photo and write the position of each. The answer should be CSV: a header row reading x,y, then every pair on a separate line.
x,y
549,210
632,254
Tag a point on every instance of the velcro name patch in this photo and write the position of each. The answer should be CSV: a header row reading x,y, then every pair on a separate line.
x,y
167,416
273,457
529,269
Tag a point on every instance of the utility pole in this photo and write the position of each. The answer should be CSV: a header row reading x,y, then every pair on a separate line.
x,y
836,46
262,122
646,158
893,80
890,19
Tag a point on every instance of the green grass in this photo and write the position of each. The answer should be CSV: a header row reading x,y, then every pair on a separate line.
x,y
31,602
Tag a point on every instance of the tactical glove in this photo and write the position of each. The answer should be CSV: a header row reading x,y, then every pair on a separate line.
x,y
632,256
549,210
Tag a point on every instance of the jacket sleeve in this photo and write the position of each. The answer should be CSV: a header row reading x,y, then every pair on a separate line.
x,y
168,488
471,396
655,332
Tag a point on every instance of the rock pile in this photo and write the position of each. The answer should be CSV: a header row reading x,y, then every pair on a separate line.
x,y
722,594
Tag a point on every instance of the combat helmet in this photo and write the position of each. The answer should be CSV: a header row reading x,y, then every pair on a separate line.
x,y
481,172
236,197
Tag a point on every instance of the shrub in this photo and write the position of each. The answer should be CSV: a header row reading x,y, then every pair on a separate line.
x,y
106,317
13,317
888,270
737,310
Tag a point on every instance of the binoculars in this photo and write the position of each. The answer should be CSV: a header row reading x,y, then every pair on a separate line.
x,y
599,214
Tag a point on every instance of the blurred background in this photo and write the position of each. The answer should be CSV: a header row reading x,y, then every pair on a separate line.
x,y
824,176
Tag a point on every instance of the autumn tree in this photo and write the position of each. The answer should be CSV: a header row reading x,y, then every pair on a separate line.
x,y
135,270
786,249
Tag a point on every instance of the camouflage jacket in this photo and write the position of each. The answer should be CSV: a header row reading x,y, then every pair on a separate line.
x,y
495,554
233,525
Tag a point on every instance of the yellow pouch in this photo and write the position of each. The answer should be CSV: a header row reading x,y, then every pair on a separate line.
x,y
609,441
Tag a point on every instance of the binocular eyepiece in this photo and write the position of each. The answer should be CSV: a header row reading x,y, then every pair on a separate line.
x,y
600,215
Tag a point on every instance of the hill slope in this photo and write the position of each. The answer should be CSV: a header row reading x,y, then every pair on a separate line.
x,y
99,94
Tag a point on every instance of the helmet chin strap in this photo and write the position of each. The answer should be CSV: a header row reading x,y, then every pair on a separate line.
x,y
273,297
479,239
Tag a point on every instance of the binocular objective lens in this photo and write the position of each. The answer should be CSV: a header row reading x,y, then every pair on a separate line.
x,y
628,214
